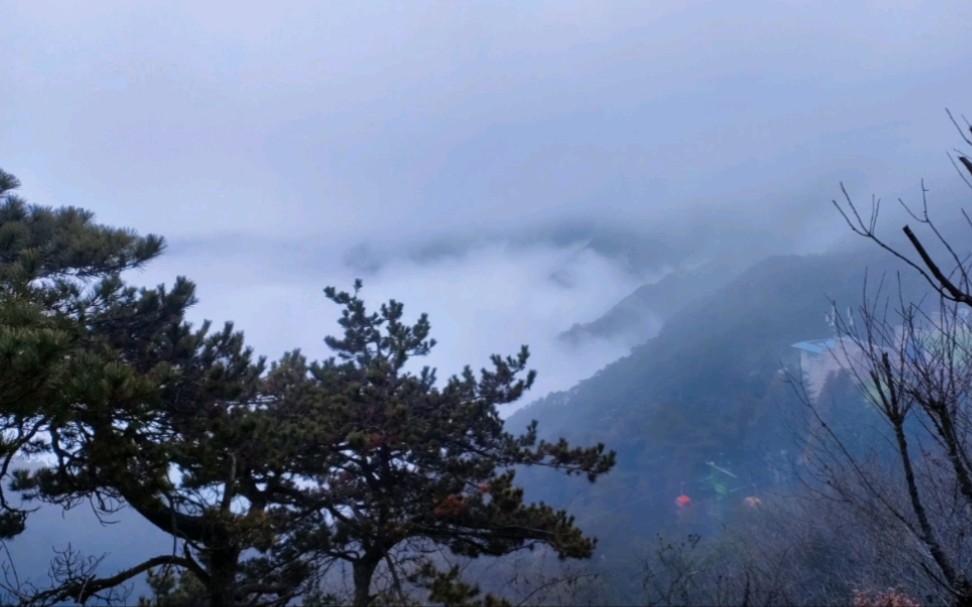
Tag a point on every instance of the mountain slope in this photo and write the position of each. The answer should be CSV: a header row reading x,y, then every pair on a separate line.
x,y
706,394
640,315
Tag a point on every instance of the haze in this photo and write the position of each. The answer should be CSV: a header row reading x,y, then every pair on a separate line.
x,y
511,168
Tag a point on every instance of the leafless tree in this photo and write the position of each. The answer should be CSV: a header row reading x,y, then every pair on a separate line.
x,y
912,362
71,579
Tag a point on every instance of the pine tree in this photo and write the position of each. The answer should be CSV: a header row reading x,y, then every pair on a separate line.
x,y
47,259
130,405
395,463
262,478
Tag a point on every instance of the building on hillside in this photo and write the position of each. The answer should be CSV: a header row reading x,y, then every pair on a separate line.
x,y
940,342
819,358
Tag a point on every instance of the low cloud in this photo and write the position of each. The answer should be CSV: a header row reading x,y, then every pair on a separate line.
x,y
493,298
512,169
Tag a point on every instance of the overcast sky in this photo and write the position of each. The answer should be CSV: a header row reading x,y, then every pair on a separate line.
x,y
509,167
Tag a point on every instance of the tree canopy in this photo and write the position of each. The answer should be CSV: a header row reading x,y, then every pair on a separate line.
x,y
264,476
402,464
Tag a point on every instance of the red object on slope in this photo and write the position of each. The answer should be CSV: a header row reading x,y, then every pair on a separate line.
x,y
683,501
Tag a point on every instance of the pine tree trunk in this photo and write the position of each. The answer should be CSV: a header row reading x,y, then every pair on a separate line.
x,y
364,569
222,571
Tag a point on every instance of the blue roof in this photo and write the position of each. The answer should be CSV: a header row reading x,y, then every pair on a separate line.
x,y
816,346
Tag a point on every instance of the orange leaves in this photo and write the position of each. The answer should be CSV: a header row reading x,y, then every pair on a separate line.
x,y
887,598
452,505
456,504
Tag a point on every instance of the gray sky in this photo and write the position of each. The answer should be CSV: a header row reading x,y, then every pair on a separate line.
x,y
509,167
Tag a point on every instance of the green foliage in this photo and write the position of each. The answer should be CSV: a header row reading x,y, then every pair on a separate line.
x,y
447,588
129,404
396,461
263,478
171,589
39,243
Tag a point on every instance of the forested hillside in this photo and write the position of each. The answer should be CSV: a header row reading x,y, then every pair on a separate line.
x,y
706,409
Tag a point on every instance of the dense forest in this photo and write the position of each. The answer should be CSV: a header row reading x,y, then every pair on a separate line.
x,y
795,432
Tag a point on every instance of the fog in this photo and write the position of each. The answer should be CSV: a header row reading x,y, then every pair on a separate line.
x,y
509,168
